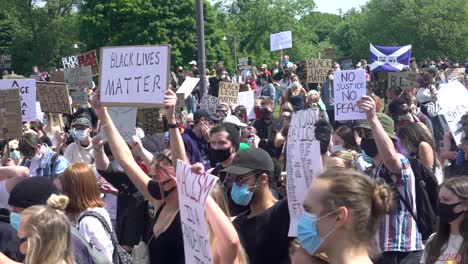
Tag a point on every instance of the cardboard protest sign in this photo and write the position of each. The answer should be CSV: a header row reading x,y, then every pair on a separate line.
x,y
134,75
280,41
317,70
13,76
79,98
405,80
454,73
330,53
453,101
89,59
57,76
54,97
194,190
5,61
349,87
209,103
70,62
124,119
247,99
78,78
303,162
27,90
151,120
347,64
244,63
228,93
10,114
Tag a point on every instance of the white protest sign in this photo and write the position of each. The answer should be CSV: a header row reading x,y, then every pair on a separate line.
x,y
349,87
303,162
453,100
70,62
209,103
136,76
194,190
27,89
247,99
39,113
280,41
187,86
124,119
79,78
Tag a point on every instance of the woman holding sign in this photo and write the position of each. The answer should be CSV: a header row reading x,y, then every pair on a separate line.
x,y
166,242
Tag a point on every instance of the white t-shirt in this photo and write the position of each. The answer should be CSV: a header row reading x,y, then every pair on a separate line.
x,y
77,153
95,234
33,167
450,253
4,195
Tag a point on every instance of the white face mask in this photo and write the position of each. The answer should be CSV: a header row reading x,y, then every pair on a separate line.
x,y
330,77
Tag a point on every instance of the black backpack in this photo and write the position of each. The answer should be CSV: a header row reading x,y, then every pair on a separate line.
x,y
426,187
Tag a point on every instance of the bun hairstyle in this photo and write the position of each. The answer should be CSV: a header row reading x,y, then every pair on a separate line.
x,y
58,202
364,199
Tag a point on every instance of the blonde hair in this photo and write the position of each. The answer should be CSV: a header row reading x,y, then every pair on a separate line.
x,y
48,232
296,85
349,157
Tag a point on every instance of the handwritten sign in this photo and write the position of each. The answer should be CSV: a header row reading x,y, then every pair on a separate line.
x,y
89,59
303,162
194,190
27,90
247,99
10,114
124,119
228,93
349,87
405,80
347,64
244,64
54,97
70,62
79,98
453,100
78,78
209,103
5,61
317,70
151,120
134,76
454,73
39,113
280,41
57,76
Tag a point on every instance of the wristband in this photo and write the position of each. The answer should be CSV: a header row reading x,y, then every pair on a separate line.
x,y
173,126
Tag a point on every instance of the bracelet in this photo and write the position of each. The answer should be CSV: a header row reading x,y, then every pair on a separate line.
x,y
173,126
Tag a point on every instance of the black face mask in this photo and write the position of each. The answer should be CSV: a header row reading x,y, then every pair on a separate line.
x,y
219,155
154,189
369,146
446,213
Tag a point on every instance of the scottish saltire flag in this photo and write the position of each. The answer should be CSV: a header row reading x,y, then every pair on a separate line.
x,y
388,58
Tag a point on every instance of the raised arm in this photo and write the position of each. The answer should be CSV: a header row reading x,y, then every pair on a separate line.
x,y
145,155
383,142
176,142
100,158
12,175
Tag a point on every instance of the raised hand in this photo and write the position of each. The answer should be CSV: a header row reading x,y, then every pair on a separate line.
x,y
170,102
367,104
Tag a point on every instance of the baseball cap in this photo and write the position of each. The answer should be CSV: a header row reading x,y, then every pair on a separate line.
x,y
192,63
204,113
387,124
83,120
232,119
248,160
264,66
32,191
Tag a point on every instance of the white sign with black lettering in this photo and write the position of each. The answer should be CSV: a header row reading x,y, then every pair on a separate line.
x,y
27,90
349,87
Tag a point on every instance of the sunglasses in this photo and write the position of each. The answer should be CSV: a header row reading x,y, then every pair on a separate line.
x,y
13,149
364,133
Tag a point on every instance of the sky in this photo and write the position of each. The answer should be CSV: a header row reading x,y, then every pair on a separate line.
x,y
331,6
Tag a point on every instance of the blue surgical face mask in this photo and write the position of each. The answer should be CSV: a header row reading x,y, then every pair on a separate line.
x,y
367,158
240,194
15,155
15,220
307,232
336,148
81,134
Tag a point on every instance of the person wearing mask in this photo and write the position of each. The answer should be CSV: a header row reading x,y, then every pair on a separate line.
x,y
284,84
449,243
343,139
267,89
420,145
165,242
196,139
399,237
45,233
11,154
40,159
266,129
342,159
241,112
296,96
326,91
263,229
214,81
415,110
82,149
264,70
341,215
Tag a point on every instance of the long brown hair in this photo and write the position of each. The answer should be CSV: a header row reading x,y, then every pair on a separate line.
x,y
459,187
79,184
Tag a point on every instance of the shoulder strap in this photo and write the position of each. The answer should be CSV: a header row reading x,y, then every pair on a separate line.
x,y
52,162
106,226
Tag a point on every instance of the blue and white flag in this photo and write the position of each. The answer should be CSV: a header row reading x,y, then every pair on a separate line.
x,y
388,58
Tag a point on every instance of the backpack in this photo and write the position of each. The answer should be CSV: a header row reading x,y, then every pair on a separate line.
x,y
426,189
96,256
119,256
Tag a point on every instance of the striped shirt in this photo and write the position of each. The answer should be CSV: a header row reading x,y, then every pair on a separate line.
x,y
398,230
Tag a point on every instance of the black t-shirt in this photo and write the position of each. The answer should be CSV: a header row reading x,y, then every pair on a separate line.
x,y
45,140
9,243
234,209
169,246
214,85
265,236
